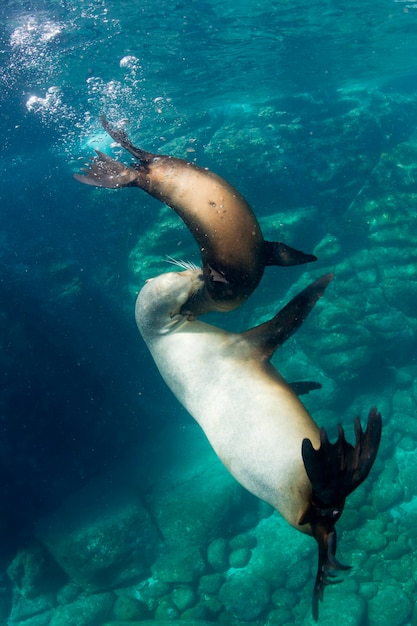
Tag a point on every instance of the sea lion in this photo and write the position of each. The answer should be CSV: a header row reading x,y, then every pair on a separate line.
x,y
233,251
253,419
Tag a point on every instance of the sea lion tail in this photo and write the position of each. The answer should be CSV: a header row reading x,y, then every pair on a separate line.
x,y
277,253
335,470
103,171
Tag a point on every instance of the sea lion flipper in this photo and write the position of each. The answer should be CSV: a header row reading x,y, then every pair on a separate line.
x,y
120,136
103,171
303,387
278,253
267,337
335,470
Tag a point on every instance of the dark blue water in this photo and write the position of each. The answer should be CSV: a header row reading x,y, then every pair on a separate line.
x,y
309,109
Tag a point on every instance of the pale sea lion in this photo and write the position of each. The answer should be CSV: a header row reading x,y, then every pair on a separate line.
x,y
233,251
253,419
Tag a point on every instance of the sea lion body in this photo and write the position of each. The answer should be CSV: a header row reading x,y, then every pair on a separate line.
x,y
224,226
233,251
250,415
253,419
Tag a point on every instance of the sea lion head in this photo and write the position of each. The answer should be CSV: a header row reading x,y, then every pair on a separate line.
x,y
170,299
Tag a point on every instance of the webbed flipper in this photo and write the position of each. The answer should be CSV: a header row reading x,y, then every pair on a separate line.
x,y
270,335
278,253
335,470
303,387
103,171
120,136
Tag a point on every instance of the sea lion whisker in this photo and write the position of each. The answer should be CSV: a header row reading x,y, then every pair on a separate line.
x,y
186,265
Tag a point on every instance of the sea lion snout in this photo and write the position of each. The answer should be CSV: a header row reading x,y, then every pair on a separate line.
x,y
164,298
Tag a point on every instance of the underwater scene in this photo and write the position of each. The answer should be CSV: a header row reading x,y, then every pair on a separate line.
x,y
160,469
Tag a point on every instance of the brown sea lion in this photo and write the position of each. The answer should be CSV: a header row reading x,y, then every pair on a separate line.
x,y
233,251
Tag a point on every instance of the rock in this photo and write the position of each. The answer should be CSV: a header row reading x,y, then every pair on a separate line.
x,y
24,608
183,597
388,490
162,622
390,605
283,599
368,590
218,554
150,590
68,593
371,537
102,537
277,617
127,608
44,619
182,514
244,540
340,606
210,584
240,557
179,566
178,491
32,569
282,554
245,596
211,604
166,610
198,612
85,611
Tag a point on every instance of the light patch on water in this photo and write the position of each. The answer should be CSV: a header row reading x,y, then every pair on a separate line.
x,y
130,62
41,67
51,107
33,32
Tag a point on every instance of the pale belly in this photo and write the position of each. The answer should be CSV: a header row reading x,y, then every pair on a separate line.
x,y
254,423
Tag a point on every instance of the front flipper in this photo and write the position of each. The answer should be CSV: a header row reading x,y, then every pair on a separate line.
x,y
269,336
335,470
278,253
303,387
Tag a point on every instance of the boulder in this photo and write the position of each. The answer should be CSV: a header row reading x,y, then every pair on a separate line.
x,y
85,611
181,565
191,496
245,596
102,537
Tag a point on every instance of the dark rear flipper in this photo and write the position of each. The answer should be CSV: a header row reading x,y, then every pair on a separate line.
x,y
120,137
335,470
104,171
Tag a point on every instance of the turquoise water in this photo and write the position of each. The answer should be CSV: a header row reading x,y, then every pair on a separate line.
x,y
310,110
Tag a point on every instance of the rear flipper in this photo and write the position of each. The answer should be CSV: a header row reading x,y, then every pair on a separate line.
x,y
104,171
107,172
120,137
335,470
